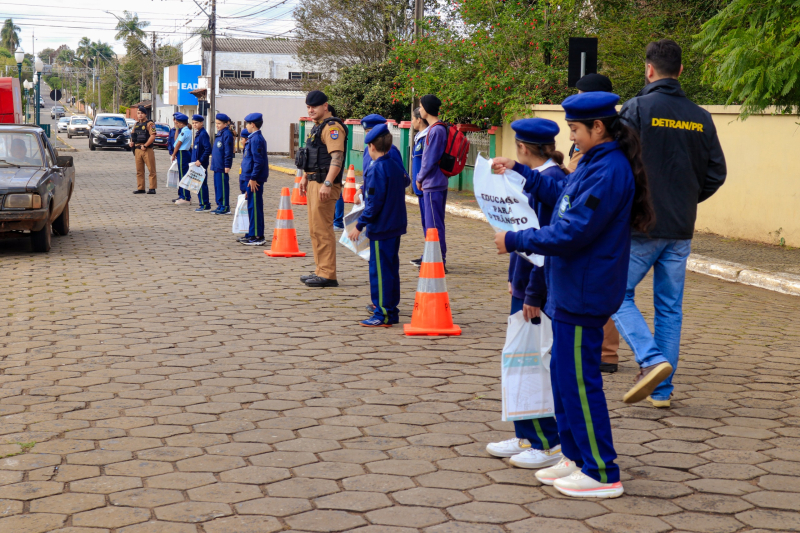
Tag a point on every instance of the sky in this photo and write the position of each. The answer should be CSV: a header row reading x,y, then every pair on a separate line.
x,y
52,24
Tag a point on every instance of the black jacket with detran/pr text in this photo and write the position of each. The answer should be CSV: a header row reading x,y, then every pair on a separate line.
x,y
682,155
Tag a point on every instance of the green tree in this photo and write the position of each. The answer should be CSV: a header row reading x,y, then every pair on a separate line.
x,y
364,89
9,35
47,55
754,54
130,27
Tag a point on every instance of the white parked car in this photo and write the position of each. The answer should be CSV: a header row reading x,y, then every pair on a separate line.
x,y
131,123
63,122
78,125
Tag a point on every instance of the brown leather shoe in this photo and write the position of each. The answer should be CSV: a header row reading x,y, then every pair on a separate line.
x,y
646,381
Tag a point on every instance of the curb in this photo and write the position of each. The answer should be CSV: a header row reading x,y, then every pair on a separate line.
x,y
717,268
282,169
70,148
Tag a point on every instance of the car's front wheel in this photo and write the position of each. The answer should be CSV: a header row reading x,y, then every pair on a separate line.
x,y
61,224
40,240
91,145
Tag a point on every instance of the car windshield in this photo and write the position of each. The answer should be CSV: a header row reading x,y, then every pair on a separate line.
x,y
79,121
64,119
19,149
58,109
111,121
162,128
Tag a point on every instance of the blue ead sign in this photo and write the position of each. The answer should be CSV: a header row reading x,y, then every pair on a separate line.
x,y
187,81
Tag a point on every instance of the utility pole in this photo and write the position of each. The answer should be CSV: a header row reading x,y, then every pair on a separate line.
x,y
212,110
94,76
154,86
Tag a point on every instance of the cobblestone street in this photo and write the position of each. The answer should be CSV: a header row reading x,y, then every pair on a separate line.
x,y
158,377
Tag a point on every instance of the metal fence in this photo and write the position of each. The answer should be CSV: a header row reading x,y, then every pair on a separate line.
x,y
358,138
478,144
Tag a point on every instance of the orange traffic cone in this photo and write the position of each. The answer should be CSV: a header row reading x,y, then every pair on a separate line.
x,y
349,192
431,315
298,198
284,238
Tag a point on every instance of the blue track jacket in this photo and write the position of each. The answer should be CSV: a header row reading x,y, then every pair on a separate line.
x,y
201,149
384,213
393,152
255,164
528,282
222,152
430,175
589,236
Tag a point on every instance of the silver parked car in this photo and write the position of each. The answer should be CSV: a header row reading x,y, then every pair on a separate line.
x,y
78,126
63,122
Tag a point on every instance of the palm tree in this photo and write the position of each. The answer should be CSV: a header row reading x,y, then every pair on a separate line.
x,y
130,27
9,36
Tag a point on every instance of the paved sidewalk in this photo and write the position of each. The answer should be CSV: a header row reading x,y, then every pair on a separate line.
x,y
157,377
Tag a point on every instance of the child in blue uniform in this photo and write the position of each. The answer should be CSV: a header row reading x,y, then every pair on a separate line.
x,y
421,126
369,122
588,244
201,150
536,444
221,161
171,137
384,216
255,171
181,152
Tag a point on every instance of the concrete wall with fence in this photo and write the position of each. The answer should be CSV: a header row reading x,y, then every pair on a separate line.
x,y
760,200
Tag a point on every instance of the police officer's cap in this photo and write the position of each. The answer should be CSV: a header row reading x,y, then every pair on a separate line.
x,y
244,134
223,117
143,109
592,83
377,131
370,121
590,106
315,98
252,117
181,117
198,118
535,130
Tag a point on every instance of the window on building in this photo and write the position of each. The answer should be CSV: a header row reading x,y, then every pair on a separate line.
x,y
305,76
237,74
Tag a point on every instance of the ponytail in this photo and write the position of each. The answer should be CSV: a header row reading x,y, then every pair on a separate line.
x,y
545,151
643,216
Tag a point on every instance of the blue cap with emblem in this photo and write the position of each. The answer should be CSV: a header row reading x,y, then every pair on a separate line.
x,y
535,130
223,117
198,118
377,131
244,134
181,117
590,106
370,121
252,117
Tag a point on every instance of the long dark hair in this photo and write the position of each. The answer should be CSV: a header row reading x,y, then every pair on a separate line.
x,y
545,151
643,216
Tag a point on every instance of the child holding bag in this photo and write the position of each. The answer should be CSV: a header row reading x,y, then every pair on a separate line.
x,y
588,244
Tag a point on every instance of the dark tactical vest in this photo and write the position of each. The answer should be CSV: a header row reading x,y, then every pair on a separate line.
x,y
140,132
318,160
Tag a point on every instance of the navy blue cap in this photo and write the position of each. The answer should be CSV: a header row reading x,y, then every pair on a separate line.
x,y
181,117
590,106
535,130
175,115
377,131
198,118
244,134
252,117
370,121
223,117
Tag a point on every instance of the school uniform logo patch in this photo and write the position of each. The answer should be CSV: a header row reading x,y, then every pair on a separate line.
x,y
334,134
219,144
562,208
418,147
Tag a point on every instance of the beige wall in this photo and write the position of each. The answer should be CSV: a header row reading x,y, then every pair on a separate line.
x,y
760,200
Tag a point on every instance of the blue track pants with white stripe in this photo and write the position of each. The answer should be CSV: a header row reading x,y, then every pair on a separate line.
x,y
542,433
580,403
255,210
384,279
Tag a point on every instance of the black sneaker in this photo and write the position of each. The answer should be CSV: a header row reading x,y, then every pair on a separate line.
x,y
201,209
608,368
255,241
416,262
308,277
151,191
218,212
243,239
317,281
139,191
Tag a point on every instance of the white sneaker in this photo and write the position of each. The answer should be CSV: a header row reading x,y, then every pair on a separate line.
x,y
580,485
564,468
533,458
508,448
183,202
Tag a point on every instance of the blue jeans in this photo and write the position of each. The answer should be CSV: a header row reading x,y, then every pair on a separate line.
x,y
668,258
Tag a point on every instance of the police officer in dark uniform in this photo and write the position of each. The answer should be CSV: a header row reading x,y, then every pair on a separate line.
x,y
322,161
143,136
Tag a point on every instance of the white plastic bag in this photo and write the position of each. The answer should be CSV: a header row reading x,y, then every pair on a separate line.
x,y
241,220
361,246
173,175
503,202
194,178
527,390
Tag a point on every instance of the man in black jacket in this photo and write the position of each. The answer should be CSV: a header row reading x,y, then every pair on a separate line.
x,y
685,165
